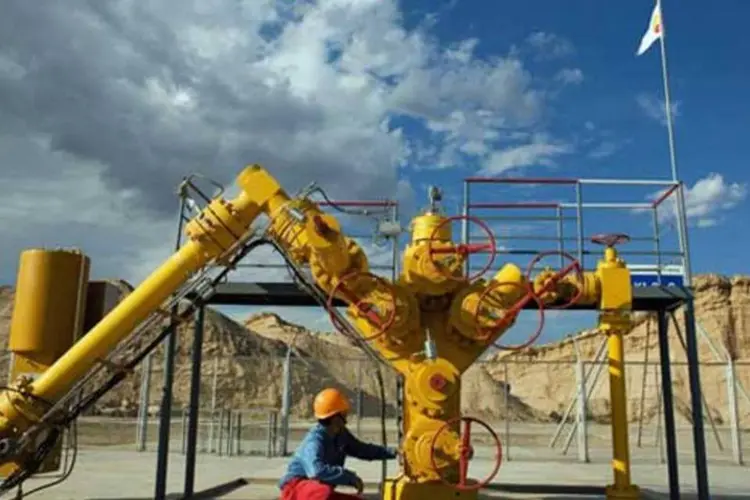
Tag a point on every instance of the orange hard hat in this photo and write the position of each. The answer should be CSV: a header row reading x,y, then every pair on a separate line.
x,y
329,402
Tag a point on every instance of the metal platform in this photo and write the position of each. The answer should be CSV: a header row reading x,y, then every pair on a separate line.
x,y
653,298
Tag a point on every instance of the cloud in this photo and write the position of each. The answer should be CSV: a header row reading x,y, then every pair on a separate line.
x,y
569,76
605,149
656,108
706,200
105,106
549,45
541,150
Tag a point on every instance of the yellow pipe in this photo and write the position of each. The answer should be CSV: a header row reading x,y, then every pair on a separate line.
x,y
210,233
135,308
620,448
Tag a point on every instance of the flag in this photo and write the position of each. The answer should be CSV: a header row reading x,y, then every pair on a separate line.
x,y
654,31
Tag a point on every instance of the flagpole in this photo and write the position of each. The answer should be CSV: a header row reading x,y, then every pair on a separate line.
x,y
667,99
680,205
699,445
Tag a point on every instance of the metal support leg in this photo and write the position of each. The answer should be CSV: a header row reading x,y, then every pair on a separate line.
x,y
165,416
194,403
669,425
699,441
165,413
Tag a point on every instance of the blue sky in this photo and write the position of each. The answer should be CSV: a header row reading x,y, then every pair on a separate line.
x,y
708,85
612,120
105,107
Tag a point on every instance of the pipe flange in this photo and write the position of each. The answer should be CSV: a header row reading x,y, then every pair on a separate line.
x,y
432,384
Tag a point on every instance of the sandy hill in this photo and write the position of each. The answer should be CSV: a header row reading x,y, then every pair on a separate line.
x,y
246,363
544,377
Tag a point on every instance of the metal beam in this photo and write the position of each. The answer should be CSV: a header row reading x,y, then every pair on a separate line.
x,y
652,298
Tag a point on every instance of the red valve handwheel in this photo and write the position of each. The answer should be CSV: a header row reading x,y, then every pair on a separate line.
x,y
467,454
515,309
574,266
464,248
610,240
363,307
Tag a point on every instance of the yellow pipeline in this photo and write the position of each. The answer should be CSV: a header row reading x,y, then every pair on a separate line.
x,y
621,453
614,320
211,232
120,322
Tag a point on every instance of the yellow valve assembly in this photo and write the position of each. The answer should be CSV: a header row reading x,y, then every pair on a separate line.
x,y
430,325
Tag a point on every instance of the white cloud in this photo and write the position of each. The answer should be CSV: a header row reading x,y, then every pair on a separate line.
x,y
604,149
549,45
656,109
541,150
706,200
105,106
569,76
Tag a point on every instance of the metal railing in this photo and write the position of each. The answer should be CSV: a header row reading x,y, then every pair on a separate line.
x,y
572,208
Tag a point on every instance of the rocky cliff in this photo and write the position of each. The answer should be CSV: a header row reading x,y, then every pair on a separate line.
x,y
544,376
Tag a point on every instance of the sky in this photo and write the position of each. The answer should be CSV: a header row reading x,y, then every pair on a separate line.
x,y
105,106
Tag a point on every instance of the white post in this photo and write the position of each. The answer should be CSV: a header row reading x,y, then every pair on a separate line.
x,y
734,418
145,393
286,403
658,439
212,425
583,445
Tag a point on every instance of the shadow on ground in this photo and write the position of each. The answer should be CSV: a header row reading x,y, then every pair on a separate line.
x,y
261,492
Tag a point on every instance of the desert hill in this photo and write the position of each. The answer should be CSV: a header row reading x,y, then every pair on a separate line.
x,y
544,378
247,361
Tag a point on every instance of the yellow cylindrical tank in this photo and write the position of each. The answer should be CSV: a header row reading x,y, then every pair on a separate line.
x,y
423,227
49,304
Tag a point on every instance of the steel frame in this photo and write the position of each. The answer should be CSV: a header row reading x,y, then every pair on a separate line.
x,y
580,207
661,307
661,300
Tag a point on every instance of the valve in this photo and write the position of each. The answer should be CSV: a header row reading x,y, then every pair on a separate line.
x,y
610,240
463,249
484,333
548,279
367,309
466,453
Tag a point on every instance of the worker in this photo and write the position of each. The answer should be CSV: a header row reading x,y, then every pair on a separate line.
x,y
317,466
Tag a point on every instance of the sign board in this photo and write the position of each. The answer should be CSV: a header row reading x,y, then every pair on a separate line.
x,y
641,279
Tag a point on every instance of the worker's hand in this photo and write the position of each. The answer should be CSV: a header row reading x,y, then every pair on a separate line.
x,y
359,485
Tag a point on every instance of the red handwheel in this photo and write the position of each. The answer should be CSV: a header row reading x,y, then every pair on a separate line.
x,y
574,267
610,240
366,308
510,314
466,454
464,249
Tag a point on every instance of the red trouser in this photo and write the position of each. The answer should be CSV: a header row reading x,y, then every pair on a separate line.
x,y
310,489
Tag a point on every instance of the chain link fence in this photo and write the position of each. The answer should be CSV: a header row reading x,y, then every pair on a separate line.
x,y
541,410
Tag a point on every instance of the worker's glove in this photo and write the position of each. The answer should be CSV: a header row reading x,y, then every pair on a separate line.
x,y
392,452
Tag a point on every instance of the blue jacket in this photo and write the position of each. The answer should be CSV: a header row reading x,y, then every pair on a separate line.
x,y
321,456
